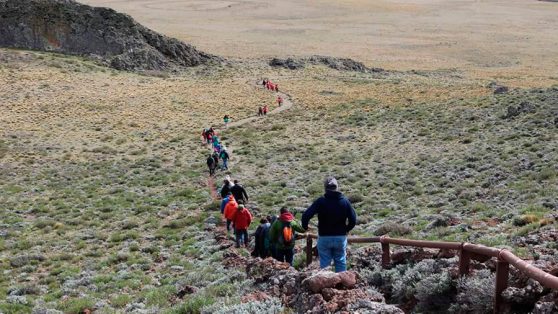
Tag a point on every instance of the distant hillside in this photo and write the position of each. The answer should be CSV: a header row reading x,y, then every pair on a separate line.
x,y
113,38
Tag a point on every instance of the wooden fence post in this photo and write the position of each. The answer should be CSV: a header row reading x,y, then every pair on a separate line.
x,y
464,261
308,250
386,257
502,273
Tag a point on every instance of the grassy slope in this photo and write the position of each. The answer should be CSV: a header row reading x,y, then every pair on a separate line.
x,y
102,175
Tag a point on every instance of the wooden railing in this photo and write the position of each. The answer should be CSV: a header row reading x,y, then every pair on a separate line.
x,y
466,252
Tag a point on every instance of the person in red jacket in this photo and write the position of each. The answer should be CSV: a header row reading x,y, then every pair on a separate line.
x,y
230,209
242,219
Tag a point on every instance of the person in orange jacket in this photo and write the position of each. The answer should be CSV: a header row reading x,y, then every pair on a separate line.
x,y
229,211
242,219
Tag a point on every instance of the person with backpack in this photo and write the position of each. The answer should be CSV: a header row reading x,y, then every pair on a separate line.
x,y
241,219
211,165
229,211
272,247
265,110
261,236
224,155
260,111
336,217
226,119
239,192
282,234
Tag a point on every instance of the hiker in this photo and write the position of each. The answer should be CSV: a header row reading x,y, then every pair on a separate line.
x,y
264,82
216,158
225,201
228,212
211,165
282,234
204,136
277,88
241,219
265,109
209,135
272,247
261,247
336,217
217,148
226,188
260,111
224,155
279,100
239,192
226,119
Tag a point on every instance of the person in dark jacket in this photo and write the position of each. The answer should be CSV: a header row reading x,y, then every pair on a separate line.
x,y
211,165
227,185
261,247
224,155
239,192
336,217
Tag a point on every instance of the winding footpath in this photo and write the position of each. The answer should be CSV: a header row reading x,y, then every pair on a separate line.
x,y
287,104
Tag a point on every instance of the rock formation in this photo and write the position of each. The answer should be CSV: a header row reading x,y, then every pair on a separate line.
x,y
115,39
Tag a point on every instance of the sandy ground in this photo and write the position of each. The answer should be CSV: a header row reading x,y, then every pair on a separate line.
x,y
514,37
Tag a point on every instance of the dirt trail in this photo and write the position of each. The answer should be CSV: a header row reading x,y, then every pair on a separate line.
x,y
287,104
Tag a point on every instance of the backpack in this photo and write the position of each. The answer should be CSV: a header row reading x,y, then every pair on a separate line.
x,y
286,238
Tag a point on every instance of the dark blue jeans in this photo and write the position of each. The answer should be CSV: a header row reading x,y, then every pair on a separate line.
x,y
285,255
241,236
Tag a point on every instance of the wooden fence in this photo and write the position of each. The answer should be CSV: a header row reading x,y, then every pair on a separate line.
x,y
466,252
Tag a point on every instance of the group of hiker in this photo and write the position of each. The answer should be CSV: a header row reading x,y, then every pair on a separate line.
x,y
270,85
275,235
219,151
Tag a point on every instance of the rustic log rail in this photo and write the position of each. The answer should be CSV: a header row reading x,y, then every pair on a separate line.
x,y
466,251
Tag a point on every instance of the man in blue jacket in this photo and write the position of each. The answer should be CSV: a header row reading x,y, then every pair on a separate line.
x,y
336,217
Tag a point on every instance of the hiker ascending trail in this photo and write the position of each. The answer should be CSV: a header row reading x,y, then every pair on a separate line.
x,y
224,155
261,247
209,135
241,219
211,165
282,234
229,211
336,217
279,100
264,82
226,119
260,111
277,87
265,110
239,192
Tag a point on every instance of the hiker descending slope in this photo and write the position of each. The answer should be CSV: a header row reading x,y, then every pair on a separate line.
x,y
226,188
226,120
282,234
242,219
336,217
239,192
211,165
224,155
261,239
229,211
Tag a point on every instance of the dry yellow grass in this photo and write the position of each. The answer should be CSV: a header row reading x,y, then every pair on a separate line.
x,y
513,39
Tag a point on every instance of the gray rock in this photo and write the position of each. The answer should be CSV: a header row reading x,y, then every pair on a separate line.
x,y
115,39
22,260
365,306
17,299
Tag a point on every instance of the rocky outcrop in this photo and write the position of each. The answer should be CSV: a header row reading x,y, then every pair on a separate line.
x,y
113,38
341,64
